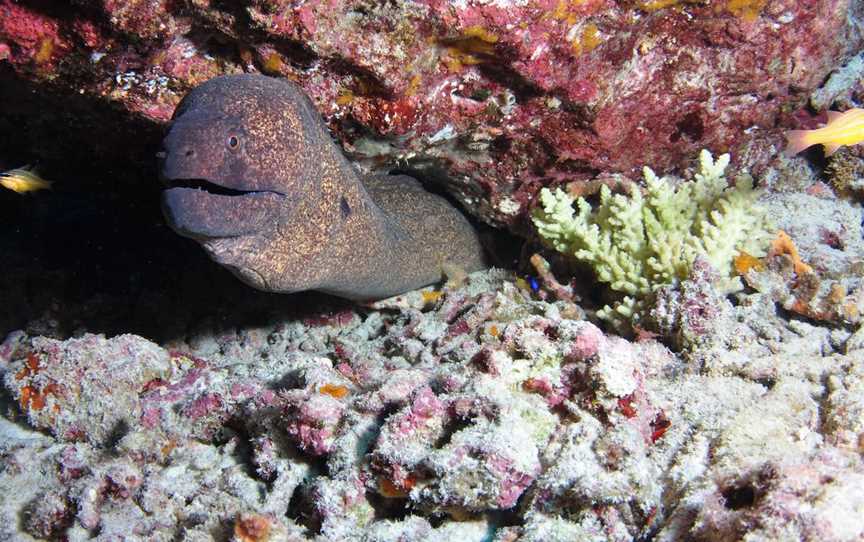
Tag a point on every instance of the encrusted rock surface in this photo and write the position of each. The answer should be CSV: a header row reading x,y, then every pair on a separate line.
x,y
502,97
474,413
482,411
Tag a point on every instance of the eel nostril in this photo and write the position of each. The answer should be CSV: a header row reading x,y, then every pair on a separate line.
x,y
189,152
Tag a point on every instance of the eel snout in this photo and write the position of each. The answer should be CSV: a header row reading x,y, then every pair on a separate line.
x,y
210,193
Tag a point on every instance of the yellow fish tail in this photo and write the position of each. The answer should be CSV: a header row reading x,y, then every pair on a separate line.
x,y
831,148
842,129
797,141
44,185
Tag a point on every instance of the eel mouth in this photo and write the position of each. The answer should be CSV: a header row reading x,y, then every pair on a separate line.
x,y
202,209
213,188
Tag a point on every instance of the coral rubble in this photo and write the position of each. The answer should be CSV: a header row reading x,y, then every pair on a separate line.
x,y
480,413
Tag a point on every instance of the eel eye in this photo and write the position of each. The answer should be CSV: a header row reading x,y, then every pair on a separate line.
x,y
233,142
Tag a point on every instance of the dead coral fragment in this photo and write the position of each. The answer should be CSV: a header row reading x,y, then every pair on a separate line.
x,y
783,245
252,528
799,288
638,244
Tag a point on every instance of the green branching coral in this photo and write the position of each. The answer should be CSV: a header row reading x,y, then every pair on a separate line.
x,y
640,243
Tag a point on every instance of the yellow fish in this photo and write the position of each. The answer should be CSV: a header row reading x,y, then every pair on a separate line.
x,y
23,179
845,128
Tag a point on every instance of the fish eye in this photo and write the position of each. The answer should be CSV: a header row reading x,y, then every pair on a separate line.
x,y
233,142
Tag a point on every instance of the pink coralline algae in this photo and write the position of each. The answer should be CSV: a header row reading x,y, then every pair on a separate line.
x,y
31,38
61,385
313,421
502,97
387,424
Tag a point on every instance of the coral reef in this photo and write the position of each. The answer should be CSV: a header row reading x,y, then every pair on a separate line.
x,y
61,385
639,244
504,99
842,87
472,412
148,395
827,283
846,170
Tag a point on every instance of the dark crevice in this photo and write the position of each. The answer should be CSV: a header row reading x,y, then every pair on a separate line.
x,y
690,126
296,52
235,428
388,508
118,431
738,497
453,426
824,426
302,509
768,381
506,76
513,516
367,82
241,34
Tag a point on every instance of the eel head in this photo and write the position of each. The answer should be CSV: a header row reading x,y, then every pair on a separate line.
x,y
235,166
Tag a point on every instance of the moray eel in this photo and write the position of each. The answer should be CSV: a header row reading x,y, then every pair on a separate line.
x,y
255,178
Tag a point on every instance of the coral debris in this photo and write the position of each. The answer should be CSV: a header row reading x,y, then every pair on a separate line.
x,y
482,411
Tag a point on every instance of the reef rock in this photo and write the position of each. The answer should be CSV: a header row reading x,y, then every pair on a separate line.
x,y
499,98
474,413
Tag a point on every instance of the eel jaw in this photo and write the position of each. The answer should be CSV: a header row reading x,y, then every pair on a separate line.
x,y
203,210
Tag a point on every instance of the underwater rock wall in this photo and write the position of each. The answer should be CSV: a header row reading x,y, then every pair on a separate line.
x,y
501,97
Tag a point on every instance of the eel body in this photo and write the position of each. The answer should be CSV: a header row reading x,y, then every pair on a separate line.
x,y
257,180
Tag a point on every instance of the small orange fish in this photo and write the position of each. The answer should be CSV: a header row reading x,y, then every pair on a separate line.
x,y
24,179
845,128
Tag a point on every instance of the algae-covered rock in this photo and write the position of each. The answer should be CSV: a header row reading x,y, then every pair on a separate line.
x,y
502,97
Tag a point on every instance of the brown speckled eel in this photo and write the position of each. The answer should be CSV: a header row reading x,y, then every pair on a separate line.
x,y
257,180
